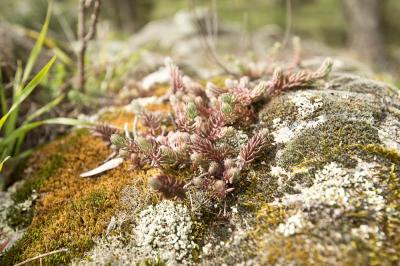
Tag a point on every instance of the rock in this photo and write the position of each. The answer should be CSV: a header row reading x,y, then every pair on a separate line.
x,y
325,193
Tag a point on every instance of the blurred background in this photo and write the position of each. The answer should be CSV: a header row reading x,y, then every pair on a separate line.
x,y
206,38
369,27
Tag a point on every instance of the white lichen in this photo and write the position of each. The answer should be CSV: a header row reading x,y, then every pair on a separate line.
x,y
285,131
366,232
389,132
163,233
9,235
337,191
293,225
335,186
305,105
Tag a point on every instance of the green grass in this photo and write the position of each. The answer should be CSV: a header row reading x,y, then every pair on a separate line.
x,y
12,131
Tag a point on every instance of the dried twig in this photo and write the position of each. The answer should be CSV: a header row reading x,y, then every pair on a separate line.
x,y
83,36
208,36
42,256
288,23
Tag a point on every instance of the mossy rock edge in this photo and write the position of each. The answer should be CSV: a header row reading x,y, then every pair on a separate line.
x,y
327,192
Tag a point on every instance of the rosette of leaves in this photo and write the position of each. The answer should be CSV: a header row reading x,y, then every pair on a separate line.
x,y
202,121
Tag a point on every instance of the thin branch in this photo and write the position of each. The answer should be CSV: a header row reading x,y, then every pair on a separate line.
x,y
93,20
83,36
82,44
41,256
288,23
207,43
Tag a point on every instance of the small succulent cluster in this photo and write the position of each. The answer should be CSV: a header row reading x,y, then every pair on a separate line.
x,y
203,132
104,132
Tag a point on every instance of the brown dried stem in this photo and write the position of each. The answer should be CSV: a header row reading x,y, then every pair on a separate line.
x,y
84,37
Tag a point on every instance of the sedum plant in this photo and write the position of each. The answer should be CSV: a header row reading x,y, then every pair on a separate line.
x,y
206,131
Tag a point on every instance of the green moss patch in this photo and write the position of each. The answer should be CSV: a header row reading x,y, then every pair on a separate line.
x,y
333,140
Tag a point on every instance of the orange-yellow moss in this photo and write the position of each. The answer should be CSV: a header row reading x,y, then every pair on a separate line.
x,y
160,90
120,117
117,118
164,108
219,81
71,210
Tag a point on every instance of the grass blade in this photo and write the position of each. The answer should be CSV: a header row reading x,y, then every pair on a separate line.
x,y
3,100
44,109
36,114
28,90
28,127
12,120
2,162
38,46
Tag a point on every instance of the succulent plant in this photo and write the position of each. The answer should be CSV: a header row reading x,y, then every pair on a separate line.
x,y
168,186
205,136
104,132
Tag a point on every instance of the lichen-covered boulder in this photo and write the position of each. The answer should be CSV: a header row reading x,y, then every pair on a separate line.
x,y
325,192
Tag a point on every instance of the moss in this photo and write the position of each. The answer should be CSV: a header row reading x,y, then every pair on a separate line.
x,y
376,149
14,254
389,253
219,81
164,108
120,117
252,196
18,217
159,90
70,210
288,250
36,181
199,231
117,117
333,140
351,107
279,107
153,262
268,218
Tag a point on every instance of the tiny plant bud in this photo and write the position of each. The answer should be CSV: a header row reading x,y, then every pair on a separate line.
x,y
191,111
259,91
144,144
198,181
232,175
227,98
226,109
219,186
214,169
229,163
118,141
